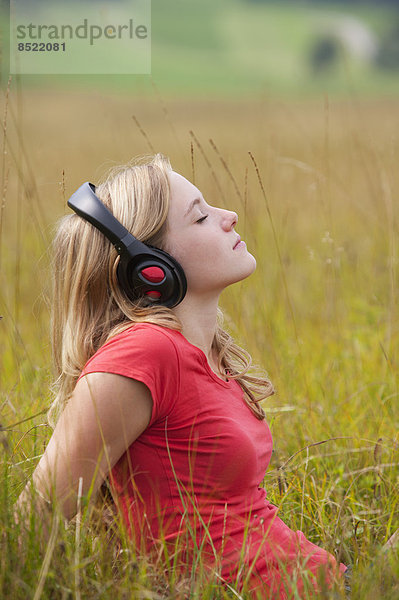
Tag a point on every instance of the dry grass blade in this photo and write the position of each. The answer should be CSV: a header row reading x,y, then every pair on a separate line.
x,y
78,524
48,556
143,133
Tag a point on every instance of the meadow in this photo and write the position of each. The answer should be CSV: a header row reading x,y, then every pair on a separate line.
x,y
315,186
242,48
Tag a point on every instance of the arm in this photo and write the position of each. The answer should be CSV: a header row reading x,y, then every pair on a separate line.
x,y
105,414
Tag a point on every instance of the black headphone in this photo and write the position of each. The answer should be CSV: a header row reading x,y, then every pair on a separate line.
x,y
143,271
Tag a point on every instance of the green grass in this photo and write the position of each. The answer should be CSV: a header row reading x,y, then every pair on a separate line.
x,y
244,47
320,314
239,48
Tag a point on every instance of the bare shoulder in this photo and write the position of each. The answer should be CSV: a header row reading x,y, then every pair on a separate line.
x,y
111,387
112,402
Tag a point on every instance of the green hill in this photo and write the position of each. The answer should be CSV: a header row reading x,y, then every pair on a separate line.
x,y
238,48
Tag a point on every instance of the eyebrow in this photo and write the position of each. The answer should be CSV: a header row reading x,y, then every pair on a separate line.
x,y
191,206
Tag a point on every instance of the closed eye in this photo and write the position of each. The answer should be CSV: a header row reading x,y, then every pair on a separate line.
x,y
202,219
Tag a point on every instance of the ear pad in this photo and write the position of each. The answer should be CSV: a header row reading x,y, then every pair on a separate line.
x,y
152,274
143,271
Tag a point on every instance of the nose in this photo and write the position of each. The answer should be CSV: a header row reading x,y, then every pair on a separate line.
x,y
229,219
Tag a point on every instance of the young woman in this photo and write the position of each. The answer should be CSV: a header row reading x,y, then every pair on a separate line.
x,y
153,394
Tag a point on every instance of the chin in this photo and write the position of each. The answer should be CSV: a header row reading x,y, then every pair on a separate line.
x,y
252,264
250,268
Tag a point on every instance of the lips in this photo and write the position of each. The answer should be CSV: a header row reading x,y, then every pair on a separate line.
x,y
237,242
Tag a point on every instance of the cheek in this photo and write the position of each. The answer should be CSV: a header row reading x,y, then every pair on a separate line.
x,y
190,253
196,264
200,263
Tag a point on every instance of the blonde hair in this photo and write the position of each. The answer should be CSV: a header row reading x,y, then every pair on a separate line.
x,y
88,305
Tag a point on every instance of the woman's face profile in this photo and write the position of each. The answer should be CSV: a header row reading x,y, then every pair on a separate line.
x,y
204,241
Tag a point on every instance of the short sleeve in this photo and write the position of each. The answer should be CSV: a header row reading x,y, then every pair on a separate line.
x,y
147,353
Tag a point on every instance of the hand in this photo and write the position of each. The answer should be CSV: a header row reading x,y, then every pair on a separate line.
x,y
393,542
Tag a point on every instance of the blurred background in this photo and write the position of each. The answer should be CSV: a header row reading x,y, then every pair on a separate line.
x,y
286,48
249,47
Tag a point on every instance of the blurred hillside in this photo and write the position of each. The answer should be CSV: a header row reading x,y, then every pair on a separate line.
x,y
245,47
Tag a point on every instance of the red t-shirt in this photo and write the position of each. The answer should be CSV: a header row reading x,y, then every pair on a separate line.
x,y
194,474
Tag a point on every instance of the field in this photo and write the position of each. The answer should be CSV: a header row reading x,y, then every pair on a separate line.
x,y
244,47
315,185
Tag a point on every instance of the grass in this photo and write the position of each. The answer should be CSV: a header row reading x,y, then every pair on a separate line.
x,y
240,47
317,206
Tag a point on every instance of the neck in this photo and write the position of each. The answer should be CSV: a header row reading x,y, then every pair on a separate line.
x,y
198,318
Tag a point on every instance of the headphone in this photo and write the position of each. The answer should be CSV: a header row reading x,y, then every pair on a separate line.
x,y
143,271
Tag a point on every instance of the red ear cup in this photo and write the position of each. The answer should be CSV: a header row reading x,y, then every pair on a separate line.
x,y
153,294
153,275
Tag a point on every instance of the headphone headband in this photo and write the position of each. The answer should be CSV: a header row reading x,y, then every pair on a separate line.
x,y
87,204
143,271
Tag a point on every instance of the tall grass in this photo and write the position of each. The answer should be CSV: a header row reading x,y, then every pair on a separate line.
x,y
315,188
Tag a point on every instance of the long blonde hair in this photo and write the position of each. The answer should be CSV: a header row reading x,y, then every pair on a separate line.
x,y
88,305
